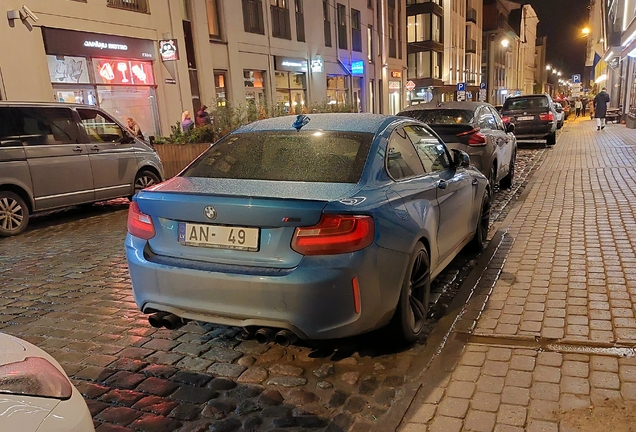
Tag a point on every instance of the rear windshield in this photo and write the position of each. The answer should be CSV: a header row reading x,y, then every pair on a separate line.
x,y
526,103
441,116
306,156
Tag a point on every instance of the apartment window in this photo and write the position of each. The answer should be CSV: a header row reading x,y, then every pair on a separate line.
x,y
412,2
391,23
337,89
214,28
342,26
253,16
370,4
425,64
370,43
327,22
424,27
132,5
300,21
356,31
280,19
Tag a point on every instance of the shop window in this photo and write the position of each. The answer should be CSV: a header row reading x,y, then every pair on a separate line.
x,y
290,92
342,27
326,13
220,79
253,16
300,21
138,102
99,128
131,5
337,89
280,19
356,31
67,69
214,26
254,82
47,126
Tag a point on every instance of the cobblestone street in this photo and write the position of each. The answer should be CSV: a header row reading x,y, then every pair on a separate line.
x,y
64,286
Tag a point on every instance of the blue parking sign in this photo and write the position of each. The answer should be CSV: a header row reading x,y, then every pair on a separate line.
x,y
482,86
461,86
576,78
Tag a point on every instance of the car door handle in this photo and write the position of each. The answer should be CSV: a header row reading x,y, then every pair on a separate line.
x,y
78,149
475,182
95,148
442,184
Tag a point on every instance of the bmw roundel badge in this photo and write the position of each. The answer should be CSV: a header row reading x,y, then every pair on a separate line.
x,y
210,212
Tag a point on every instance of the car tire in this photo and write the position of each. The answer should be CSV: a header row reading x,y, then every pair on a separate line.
x,y
551,139
145,179
476,244
492,174
506,182
14,214
412,308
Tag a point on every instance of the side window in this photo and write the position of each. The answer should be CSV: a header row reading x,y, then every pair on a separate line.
x,y
498,120
9,133
46,126
487,120
99,127
401,160
430,150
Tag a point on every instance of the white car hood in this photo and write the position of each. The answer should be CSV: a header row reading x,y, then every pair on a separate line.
x,y
22,413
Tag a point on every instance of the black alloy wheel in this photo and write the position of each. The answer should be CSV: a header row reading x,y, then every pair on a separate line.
x,y
145,179
14,214
413,304
483,224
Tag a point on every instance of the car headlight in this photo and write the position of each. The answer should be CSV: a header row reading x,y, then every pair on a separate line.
x,y
34,376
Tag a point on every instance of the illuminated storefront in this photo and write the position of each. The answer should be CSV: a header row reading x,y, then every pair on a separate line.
x,y
113,72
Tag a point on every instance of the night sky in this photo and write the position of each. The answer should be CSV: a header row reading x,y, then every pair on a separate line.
x,y
562,21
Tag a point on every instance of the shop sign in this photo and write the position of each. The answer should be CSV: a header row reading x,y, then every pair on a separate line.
x,y
109,71
290,64
168,50
170,81
316,64
410,85
394,85
396,74
357,67
75,43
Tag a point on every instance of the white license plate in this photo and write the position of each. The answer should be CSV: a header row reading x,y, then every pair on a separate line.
x,y
522,118
218,236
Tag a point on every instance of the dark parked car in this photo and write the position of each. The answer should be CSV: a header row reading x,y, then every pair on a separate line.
x,y
534,117
320,227
477,129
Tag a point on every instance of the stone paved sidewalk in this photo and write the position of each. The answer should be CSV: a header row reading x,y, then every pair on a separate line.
x,y
550,345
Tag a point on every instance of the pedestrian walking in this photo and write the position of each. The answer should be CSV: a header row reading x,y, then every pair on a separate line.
x,y
203,117
578,105
134,128
600,108
583,107
186,121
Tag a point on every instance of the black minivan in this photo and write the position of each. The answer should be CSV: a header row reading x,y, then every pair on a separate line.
x,y
534,117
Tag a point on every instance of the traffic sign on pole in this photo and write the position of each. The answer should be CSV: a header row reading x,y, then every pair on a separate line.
x,y
576,78
461,92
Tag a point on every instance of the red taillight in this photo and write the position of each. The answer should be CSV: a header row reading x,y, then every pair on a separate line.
x,y
139,224
334,234
474,137
505,119
546,116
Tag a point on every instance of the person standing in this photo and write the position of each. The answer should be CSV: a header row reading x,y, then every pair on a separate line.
x,y
583,106
600,108
202,118
578,105
134,128
186,121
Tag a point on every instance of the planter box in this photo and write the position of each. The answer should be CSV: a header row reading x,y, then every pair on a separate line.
x,y
176,157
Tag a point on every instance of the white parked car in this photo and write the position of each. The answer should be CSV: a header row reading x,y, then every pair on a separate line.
x,y
35,392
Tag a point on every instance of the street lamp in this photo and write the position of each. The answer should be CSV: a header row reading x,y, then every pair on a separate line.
x,y
559,73
585,31
548,67
505,43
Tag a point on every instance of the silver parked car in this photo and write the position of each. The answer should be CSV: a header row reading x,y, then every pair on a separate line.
x,y
477,129
57,155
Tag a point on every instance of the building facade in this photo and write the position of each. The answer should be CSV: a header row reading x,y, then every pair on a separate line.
x,y
154,60
540,70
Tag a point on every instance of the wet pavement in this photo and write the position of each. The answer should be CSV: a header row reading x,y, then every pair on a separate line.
x,y
64,286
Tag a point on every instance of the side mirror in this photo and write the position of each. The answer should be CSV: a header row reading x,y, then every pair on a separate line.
x,y
510,127
461,158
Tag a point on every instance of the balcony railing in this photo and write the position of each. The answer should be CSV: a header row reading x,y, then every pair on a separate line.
x,y
131,5
471,15
471,46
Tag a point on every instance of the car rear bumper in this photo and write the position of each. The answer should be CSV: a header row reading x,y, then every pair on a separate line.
x,y
315,300
534,131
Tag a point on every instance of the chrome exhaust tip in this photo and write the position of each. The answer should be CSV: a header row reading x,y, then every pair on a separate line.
x,y
285,338
264,335
156,319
